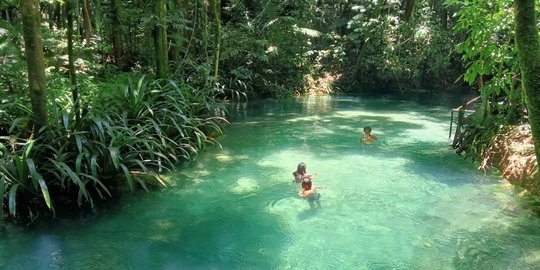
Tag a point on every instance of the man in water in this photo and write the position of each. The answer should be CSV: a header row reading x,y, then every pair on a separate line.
x,y
367,137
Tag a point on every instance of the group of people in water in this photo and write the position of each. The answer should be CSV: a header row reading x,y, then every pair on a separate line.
x,y
309,191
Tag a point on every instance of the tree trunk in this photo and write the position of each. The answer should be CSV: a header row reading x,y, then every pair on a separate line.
x,y
409,9
528,51
50,15
58,14
33,48
160,39
87,22
71,60
180,37
216,6
116,6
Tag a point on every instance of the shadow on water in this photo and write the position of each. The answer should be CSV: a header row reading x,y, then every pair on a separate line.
x,y
308,213
159,230
498,246
432,159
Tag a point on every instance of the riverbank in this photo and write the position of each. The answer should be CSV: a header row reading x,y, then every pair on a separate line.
x,y
512,153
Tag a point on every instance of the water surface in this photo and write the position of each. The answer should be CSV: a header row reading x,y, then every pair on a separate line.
x,y
407,202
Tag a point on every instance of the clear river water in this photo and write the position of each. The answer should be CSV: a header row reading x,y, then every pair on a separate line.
x,y
406,202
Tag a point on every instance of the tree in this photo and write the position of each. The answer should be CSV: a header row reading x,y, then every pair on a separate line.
x,y
34,58
180,30
216,8
87,22
160,39
71,60
409,9
528,48
116,8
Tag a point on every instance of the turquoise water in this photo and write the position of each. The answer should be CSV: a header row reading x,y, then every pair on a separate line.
x,y
407,202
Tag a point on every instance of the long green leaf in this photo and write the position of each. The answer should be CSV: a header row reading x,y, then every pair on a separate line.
x,y
128,176
78,140
99,183
65,119
2,192
28,148
115,157
33,172
44,191
78,162
82,188
12,201
94,166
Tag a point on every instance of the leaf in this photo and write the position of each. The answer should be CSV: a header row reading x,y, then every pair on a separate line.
x,y
65,168
309,32
33,172
78,140
94,166
44,191
78,162
28,148
12,201
2,192
128,176
115,158
65,119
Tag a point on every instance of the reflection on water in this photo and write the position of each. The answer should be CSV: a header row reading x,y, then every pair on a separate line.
x,y
407,202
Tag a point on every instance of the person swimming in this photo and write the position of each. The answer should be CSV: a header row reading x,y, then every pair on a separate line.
x,y
367,137
301,173
309,192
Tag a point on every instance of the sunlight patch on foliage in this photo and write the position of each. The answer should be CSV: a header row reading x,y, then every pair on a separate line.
x,y
307,31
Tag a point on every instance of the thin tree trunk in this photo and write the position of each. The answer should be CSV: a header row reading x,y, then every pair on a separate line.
x,y
216,6
528,51
50,15
185,8
34,58
160,39
179,37
205,33
58,14
87,22
71,61
98,17
409,9
116,6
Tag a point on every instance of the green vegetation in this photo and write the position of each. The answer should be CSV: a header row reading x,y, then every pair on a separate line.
x,y
96,94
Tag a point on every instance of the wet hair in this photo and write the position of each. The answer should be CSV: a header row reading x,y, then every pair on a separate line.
x,y
306,183
302,168
367,128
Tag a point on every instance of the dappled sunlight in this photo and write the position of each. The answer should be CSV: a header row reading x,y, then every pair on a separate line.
x,y
470,211
245,185
221,157
532,258
305,119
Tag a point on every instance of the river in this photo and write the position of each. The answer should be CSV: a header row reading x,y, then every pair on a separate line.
x,y
406,202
